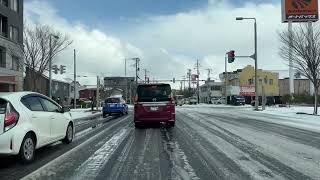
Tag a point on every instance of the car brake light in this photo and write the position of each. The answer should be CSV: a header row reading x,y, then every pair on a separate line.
x,y
172,100
11,118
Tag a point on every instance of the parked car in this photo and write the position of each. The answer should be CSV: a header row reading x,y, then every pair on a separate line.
x,y
178,99
216,100
154,104
186,101
114,105
238,100
29,121
193,100
270,101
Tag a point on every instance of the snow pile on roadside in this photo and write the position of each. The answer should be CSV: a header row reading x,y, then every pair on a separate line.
x,y
288,116
292,111
82,113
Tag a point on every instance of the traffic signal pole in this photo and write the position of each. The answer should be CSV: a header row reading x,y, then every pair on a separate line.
x,y
226,77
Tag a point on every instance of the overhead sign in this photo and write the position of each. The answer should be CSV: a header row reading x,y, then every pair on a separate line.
x,y
247,90
300,10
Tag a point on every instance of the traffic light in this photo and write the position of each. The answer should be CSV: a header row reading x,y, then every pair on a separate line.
x,y
174,80
62,69
231,56
55,69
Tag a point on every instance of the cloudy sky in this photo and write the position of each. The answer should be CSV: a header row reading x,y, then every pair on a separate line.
x,y
168,35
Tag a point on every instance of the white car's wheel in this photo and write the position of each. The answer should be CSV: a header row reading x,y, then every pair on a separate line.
x,y
69,134
27,149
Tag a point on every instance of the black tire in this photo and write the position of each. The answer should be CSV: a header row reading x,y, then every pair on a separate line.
x,y
27,149
104,115
138,125
171,124
69,137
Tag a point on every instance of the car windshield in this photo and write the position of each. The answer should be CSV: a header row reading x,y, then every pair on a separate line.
x,y
154,92
112,100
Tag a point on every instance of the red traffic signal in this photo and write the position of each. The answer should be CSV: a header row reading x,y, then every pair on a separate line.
x,y
231,56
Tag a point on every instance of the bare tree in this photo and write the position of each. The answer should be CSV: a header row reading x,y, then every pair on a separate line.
x,y
305,48
37,50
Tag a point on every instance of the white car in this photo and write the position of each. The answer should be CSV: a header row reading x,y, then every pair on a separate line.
x,y
29,121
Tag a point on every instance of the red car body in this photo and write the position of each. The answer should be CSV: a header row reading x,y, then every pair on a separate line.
x,y
154,104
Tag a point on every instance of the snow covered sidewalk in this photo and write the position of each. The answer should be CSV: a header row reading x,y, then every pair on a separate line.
x,y
288,116
77,114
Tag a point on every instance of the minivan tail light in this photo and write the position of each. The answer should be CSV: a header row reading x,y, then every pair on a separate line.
x,y
171,100
136,99
11,118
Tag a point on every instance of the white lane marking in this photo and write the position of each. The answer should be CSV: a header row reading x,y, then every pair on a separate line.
x,y
42,170
92,166
83,133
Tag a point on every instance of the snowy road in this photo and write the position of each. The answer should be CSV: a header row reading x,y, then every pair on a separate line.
x,y
206,143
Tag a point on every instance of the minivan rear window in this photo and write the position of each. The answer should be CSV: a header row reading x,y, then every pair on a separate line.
x,y
154,93
112,100
3,106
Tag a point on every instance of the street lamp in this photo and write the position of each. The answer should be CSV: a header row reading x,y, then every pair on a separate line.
x,y
50,62
255,57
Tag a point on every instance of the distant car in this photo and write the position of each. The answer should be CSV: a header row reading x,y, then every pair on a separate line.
x,y
193,100
114,105
179,101
186,101
154,104
221,100
238,100
270,101
29,121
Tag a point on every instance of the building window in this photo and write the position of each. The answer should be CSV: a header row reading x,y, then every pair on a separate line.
x,y
4,2
3,26
14,5
14,33
15,63
271,81
250,81
2,57
266,80
260,81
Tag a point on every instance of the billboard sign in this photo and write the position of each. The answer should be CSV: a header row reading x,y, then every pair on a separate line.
x,y
247,90
300,10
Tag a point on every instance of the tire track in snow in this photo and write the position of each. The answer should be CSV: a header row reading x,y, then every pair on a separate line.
x,y
92,166
251,150
181,168
216,162
140,168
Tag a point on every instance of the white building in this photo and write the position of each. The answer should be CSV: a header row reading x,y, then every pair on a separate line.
x,y
210,90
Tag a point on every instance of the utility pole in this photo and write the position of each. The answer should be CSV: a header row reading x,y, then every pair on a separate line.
x,y
137,69
189,79
97,94
50,67
226,78
125,75
198,77
74,80
209,73
145,75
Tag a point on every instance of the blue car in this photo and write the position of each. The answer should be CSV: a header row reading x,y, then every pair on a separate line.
x,y
115,105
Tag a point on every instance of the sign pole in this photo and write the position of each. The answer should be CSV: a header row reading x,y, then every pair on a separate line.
x,y
291,70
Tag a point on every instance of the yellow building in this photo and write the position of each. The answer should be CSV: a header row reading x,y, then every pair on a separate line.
x,y
246,77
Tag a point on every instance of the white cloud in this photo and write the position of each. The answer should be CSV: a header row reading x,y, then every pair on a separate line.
x,y
169,45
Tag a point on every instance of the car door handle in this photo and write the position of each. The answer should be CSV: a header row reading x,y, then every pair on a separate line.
x,y
33,116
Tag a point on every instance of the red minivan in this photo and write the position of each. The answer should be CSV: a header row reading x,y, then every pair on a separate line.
x,y
154,104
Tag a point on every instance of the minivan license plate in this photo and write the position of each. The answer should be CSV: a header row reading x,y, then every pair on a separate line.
x,y
154,108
